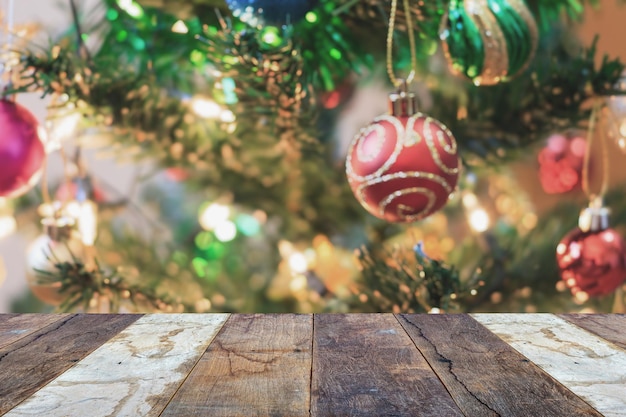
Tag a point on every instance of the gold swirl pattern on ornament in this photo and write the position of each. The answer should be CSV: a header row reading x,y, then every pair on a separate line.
x,y
450,149
361,154
411,137
402,208
522,10
403,175
496,62
395,122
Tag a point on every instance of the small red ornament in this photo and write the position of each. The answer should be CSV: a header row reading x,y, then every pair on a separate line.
x,y
403,166
76,191
592,257
561,163
21,150
177,174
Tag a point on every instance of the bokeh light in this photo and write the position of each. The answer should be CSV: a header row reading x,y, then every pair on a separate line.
x,y
225,231
212,214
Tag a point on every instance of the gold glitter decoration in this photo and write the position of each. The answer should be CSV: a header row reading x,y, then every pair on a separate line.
x,y
411,137
433,149
402,209
402,175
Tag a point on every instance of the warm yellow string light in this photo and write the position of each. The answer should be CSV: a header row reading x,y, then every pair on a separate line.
x,y
409,25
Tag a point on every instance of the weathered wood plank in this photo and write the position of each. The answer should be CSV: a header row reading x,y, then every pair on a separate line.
x,y
258,365
611,327
33,361
14,327
134,374
6,316
485,376
366,365
589,366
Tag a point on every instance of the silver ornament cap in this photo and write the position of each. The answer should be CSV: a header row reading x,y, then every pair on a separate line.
x,y
58,229
594,218
402,103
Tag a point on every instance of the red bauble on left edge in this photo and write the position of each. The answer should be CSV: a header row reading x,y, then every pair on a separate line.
x,y
403,166
21,150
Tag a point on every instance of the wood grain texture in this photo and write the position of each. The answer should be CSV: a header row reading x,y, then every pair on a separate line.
x,y
258,365
366,365
134,374
589,366
611,327
484,375
33,361
14,327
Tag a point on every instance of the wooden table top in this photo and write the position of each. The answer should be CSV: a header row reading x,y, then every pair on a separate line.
x,y
312,365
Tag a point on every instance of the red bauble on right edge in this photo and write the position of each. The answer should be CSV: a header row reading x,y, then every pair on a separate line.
x,y
592,261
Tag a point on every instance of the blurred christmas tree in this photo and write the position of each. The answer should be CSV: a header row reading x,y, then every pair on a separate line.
x,y
240,104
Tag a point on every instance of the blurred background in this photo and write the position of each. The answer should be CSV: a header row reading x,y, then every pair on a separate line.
x,y
118,178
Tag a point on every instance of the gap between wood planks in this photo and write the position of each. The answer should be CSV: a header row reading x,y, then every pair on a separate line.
x,y
311,372
182,382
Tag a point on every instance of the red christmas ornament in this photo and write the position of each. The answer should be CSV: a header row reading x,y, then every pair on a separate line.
x,y
403,166
592,257
76,191
561,163
21,151
177,174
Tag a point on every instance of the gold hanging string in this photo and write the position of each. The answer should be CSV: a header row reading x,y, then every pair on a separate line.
x,y
67,178
45,192
618,302
8,71
596,115
409,27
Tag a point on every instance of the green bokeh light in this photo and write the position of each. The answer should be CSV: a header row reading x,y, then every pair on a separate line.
x,y
335,53
228,59
248,225
270,35
121,36
138,43
215,250
311,17
200,266
196,57
203,240
112,14
206,269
